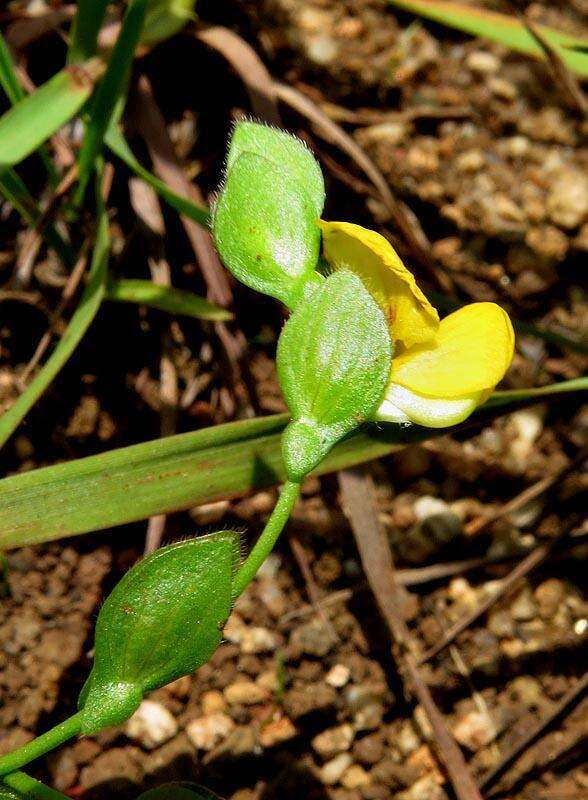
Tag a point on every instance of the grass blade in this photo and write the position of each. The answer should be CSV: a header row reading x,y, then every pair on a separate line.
x,y
78,325
34,119
109,92
165,298
181,471
85,29
501,28
8,77
117,144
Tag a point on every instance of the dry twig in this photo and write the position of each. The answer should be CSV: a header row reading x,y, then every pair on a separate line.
x,y
359,502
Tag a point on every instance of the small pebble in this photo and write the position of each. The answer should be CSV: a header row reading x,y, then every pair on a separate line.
x,y
151,725
482,62
276,732
338,676
206,732
333,740
245,693
332,772
475,730
354,777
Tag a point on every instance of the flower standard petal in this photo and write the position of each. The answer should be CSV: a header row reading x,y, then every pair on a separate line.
x,y
412,318
471,353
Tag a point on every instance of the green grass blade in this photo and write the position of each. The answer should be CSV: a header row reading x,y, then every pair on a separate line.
x,y
165,298
181,471
109,92
30,789
84,314
117,144
501,28
85,29
34,119
8,77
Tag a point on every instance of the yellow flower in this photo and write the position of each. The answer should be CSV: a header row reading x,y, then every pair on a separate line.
x,y
441,370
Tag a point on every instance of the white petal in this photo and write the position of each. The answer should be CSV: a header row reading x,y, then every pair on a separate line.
x,y
402,405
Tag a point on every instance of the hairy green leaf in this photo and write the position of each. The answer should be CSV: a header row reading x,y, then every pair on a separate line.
x,y
162,620
334,359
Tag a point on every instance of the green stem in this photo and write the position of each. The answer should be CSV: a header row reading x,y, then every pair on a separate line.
x,y
274,526
41,745
30,788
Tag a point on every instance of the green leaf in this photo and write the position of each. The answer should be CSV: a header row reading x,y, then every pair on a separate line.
x,y
179,791
109,92
265,229
116,142
25,126
334,359
182,471
506,30
166,298
165,18
286,152
8,77
85,29
162,620
78,325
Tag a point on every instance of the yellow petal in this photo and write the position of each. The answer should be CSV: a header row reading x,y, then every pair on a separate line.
x,y
471,353
412,318
402,405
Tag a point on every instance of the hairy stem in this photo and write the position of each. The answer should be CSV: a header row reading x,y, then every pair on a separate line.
x,y
274,526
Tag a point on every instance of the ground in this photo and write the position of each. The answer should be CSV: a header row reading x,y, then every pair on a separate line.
x,y
304,698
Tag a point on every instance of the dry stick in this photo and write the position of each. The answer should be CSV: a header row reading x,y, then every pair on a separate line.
x,y
526,566
417,576
530,493
359,503
403,217
535,733
563,76
152,127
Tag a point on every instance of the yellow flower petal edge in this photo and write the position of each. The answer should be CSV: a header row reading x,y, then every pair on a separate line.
x,y
370,256
471,353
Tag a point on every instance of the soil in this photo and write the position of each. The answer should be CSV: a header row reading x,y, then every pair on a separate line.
x,y
304,700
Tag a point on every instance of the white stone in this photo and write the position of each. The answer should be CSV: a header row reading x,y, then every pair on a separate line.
x,y
427,506
338,676
475,730
151,725
482,62
333,770
333,741
206,732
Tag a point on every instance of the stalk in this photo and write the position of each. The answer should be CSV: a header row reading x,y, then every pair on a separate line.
x,y
274,526
41,745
